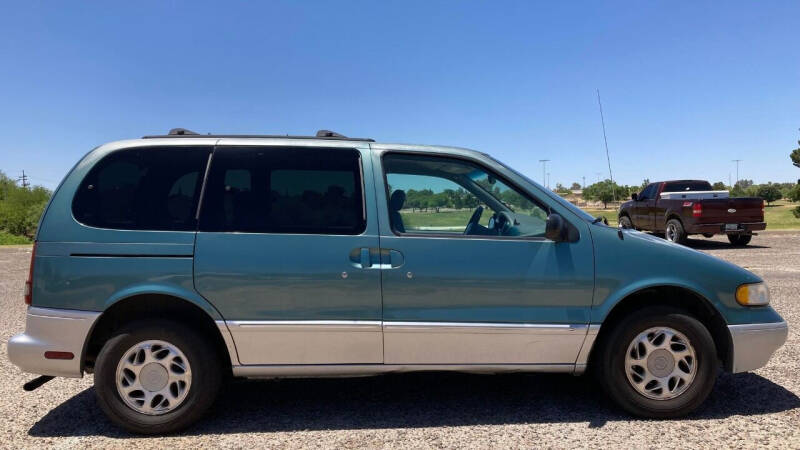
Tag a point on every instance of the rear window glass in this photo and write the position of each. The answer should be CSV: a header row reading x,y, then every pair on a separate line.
x,y
143,189
682,186
284,190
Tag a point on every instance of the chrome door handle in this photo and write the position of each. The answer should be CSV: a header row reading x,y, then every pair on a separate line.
x,y
362,258
391,258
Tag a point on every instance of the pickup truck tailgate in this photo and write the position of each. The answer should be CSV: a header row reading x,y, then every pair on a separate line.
x,y
732,210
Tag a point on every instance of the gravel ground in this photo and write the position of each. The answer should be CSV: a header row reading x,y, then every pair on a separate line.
x,y
432,410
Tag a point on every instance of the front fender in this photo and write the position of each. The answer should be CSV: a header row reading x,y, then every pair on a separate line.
x,y
606,304
628,261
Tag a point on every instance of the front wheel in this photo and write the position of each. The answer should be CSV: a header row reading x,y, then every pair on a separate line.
x,y
658,363
156,377
740,239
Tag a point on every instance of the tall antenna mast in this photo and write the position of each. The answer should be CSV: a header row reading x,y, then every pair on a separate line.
x,y
605,141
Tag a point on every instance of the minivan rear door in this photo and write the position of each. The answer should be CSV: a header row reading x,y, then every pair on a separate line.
x,y
287,250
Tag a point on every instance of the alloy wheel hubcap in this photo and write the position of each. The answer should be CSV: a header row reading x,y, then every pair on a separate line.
x,y
153,377
671,232
660,363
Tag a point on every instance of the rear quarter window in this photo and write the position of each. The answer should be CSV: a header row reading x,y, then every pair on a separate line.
x,y
151,188
687,186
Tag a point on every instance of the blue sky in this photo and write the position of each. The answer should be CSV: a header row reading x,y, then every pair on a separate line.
x,y
686,86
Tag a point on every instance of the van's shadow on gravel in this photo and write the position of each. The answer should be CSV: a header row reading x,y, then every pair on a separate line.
x,y
416,400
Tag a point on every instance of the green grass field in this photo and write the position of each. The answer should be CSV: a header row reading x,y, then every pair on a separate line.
x,y
11,239
778,216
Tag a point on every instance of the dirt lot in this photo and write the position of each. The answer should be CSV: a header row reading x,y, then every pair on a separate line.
x,y
433,410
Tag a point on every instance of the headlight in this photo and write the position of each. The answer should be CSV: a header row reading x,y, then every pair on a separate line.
x,y
756,294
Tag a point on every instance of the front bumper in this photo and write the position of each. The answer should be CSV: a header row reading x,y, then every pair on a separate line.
x,y
719,228
58,330
754,344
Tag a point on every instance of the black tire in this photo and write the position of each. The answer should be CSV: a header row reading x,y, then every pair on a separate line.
x,y
625,222
206,376
674,232
708,235
740,239
610,365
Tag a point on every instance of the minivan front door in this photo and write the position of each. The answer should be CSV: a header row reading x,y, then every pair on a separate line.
x,y
468,276
287,252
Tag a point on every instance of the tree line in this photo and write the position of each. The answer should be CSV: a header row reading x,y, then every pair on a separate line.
x,y
426,199
21,207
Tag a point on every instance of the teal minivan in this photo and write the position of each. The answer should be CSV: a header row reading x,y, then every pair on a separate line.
x,y
167,264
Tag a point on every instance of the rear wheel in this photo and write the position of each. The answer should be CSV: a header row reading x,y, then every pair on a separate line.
x,y
658,363
156,376
625,222
708,235
740,239
674,231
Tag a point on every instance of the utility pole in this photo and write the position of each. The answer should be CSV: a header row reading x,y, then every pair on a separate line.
x,y
24,179
544,170
584,182
548,180
737,161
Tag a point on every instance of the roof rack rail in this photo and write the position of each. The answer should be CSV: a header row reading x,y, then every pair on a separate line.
x,y
321,134
329,134
181,132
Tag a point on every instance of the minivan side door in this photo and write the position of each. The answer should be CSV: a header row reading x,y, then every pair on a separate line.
x,y
457,293
287,252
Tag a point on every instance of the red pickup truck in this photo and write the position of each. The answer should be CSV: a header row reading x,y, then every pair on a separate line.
x,y
682,207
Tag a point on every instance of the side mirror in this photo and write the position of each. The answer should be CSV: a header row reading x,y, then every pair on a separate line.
x,y
556,228
634,196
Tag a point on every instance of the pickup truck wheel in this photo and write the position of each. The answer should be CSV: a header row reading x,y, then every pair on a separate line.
x,y
156,376
674,232
658,363
740,239
708,235
625,222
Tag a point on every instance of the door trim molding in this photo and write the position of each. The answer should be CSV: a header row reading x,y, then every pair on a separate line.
x,y
345,370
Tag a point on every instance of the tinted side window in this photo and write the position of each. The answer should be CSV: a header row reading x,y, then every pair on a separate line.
x,y
143,189
284,190
649,192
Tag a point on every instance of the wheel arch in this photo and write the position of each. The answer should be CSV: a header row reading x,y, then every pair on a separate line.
x,y
672,215
148,305
677,296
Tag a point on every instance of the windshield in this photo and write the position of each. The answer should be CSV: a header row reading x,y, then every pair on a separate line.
x,y
581,213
